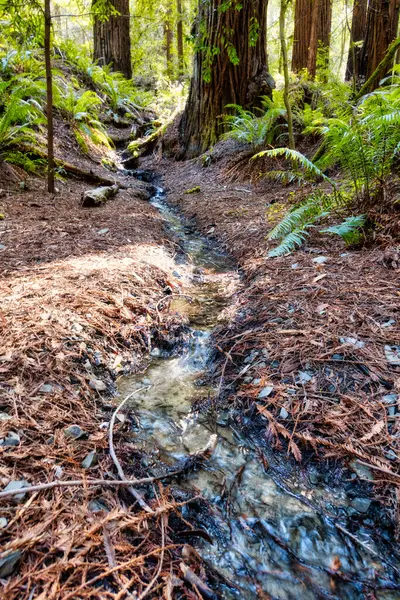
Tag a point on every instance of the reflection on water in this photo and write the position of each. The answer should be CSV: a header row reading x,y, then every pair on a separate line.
x,y
268,543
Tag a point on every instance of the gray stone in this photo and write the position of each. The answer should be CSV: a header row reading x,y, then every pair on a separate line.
x,y
283,413
17,484
390,398
90,460
46,388
74,432
314,477
50,440
103,231
361,504
295,266
155,352
362,471
5,416
2,247
392,354
146,381
9,563
12,439
352,342
265,392
256,381
320,260
98,385
97,506
176,274
304,376
3,522
391,455
58,471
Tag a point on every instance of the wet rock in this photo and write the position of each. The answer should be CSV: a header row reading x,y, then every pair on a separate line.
x,y
46,388
265,392
361,504
98,385
12,439
90,460
362,471
75,432
17,484
9,563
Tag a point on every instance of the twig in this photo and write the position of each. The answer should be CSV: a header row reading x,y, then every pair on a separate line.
x,y
154,580
87,482
121,473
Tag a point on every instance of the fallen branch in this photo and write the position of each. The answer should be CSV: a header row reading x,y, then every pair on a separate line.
x,y
147,143
99,196
87,482
121,473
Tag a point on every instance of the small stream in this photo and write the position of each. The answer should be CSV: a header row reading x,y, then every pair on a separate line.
x,y
267,541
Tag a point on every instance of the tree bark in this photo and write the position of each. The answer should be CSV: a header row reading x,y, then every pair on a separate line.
x,y
321,21
168,38
111,39
179,37
230,67
381,30
357,34
302,34
49,97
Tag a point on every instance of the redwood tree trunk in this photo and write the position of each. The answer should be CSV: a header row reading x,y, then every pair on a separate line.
x,y
321,21
381,30
358,27
111,39
302,34
230,67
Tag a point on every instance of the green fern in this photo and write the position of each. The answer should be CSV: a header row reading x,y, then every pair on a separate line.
x,y
349,229
298,158
290,242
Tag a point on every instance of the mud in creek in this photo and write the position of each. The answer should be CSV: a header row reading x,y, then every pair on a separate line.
x,y
267,541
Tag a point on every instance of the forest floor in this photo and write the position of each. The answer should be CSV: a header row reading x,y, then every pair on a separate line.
x,y
311,354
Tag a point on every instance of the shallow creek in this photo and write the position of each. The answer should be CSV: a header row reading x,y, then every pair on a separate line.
x,y
266,542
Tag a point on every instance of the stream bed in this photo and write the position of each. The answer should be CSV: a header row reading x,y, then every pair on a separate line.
x,y
269,539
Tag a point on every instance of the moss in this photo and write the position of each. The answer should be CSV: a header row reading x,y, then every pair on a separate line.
x,y
194,190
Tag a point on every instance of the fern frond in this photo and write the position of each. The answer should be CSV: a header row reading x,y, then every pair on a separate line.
x,y
296,157
290,242
349,229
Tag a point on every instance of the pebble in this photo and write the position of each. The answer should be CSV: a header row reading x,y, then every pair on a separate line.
x,y
46,388
265,392
2,247
9,563
90,460
12,439
97,384
283,413
3,522
304,377
17,484
97,505
5,416
256,381
392,354
103,231
75,432
320,260
352,341
361,504
362,471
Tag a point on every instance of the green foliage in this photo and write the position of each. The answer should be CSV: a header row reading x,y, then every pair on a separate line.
x,y
349,229
245,127
28,163
296,157
19,117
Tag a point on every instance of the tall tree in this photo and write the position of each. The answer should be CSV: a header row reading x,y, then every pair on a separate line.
x,y
168,39
230,67
357,34
285,61
302,34
49,97
321,22
179,37
111,37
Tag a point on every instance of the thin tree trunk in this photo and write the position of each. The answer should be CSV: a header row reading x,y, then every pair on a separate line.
x,y
179,37
321,22
49,97
357,35
111,39
168,37
230,67
286,98
302,34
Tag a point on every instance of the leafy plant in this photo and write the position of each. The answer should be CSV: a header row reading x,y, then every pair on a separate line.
x,y
245,127
349,229
19,118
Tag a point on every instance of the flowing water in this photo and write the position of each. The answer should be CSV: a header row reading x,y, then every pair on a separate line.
x,y
268,541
